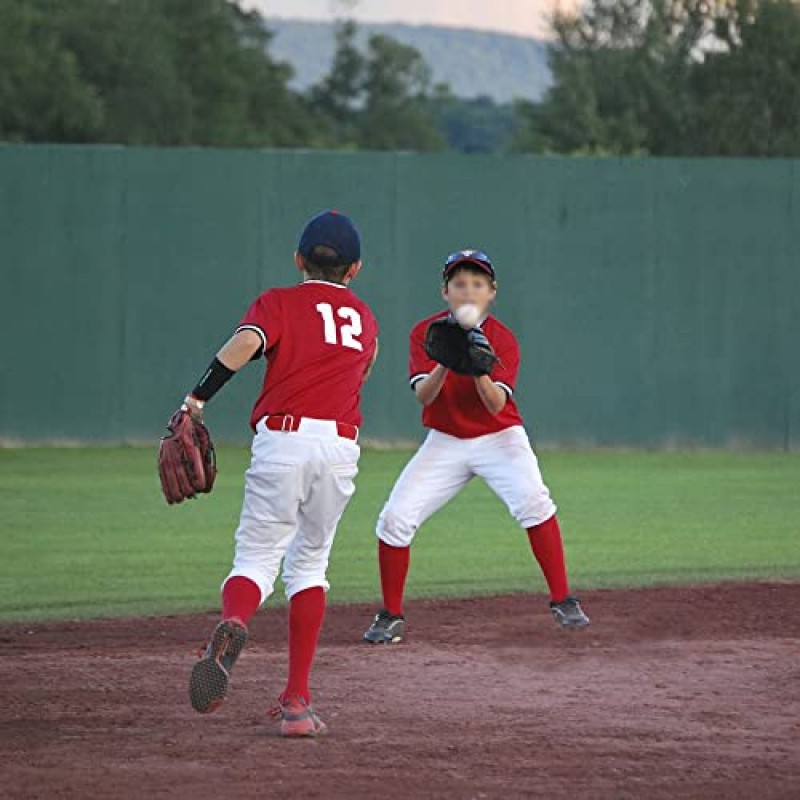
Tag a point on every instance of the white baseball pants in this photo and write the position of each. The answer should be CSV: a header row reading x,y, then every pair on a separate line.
x,y
445,464
295,492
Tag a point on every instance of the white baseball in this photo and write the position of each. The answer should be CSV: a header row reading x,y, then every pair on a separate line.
x,y
467,315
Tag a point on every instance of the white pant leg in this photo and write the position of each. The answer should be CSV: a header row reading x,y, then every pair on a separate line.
x,y
269,517
328,487
507,463
436,473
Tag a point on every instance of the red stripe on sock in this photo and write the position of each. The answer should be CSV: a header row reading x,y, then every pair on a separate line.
x,y
306,612
393,562
548,549
240,598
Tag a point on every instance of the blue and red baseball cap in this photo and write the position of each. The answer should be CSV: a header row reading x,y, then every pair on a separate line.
x,y
476,258
335,230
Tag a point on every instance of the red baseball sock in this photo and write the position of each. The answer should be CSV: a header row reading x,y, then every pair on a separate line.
x,y
306,611
240,598
393,563
546,544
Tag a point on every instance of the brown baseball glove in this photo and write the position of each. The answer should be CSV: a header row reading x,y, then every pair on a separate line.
x,y
187,462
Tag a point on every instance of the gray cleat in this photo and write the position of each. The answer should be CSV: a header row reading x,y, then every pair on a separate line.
x,y
569,614
386,628
208,685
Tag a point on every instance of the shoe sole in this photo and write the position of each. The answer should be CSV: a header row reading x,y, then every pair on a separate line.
x,y
392,640
289,732
572,626
208,685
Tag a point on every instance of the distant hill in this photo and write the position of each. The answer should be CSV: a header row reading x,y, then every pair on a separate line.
x,y
474,63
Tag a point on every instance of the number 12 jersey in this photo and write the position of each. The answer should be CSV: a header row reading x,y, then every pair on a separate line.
x,y
319,339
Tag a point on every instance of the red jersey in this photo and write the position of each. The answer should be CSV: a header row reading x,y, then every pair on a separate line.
x,y
319,340
458,408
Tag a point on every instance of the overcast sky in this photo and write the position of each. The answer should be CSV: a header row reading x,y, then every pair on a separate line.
x,y
524,17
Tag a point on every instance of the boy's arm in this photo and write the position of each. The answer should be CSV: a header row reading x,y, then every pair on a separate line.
x,y
233,355
427,389
426,376
187,463
368,370
240,349
495,389
493,397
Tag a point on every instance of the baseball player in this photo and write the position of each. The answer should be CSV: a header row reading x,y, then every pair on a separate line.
x,y
474,429
320,342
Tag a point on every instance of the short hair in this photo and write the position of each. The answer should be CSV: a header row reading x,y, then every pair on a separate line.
x,y
323,263
468,266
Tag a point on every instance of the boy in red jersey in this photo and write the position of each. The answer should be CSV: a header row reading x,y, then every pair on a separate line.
x,y
474,429
320,341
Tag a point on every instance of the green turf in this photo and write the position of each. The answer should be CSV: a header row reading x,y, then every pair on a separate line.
x,y
86,532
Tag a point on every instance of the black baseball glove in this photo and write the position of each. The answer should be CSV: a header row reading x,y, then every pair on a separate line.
x,y
467,352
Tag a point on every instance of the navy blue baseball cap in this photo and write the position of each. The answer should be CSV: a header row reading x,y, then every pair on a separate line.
x,y
335,230
475,257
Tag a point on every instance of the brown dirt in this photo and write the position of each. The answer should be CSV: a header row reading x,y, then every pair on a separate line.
x,y
672,693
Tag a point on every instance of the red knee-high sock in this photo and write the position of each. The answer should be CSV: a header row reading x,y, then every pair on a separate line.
x,y
546,544
240,598
306,611
393,563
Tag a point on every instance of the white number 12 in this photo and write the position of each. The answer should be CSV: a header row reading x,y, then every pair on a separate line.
x,y
348,332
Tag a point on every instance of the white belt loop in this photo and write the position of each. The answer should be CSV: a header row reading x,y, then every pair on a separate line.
x,y
290,419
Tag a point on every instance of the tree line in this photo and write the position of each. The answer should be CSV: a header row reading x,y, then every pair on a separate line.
x,y
671,77
197,72
659,77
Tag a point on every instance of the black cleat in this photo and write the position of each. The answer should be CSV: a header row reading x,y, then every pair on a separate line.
x,y
569,614
208,685
386,628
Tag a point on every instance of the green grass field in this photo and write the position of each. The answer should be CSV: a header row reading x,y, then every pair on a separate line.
x,y
87,533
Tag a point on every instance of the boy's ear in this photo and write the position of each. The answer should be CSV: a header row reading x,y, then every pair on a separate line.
x,y
299,263
354,269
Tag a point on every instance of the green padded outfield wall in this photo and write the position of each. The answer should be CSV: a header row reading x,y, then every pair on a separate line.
x,y
657,301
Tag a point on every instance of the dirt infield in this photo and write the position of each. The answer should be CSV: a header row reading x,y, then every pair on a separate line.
x,y
689,692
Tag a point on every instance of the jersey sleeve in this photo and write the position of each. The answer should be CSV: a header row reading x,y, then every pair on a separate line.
x,y
506,370
265,318
420,365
